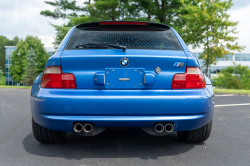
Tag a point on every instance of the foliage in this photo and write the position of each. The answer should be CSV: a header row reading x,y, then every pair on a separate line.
x,y
61,31
162,11
19,57
2,81
233,77
99,10
208,25
4,41
1,73
238,91
15,87
30,73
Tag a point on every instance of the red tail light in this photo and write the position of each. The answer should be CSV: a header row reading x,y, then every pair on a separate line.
x,y
192,79
53,77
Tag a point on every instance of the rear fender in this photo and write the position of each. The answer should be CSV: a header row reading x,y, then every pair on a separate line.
x,y
36,85
209,86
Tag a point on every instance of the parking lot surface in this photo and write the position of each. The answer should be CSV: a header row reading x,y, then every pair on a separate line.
x,y
229,143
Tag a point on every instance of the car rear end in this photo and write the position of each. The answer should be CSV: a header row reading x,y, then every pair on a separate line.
x,y
155,84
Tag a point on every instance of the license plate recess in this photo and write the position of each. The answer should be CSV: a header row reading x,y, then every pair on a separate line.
x,y
129,78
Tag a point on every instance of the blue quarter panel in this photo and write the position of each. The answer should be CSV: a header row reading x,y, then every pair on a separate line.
x,y
182,43
65,40
36,85
192,61
54,60
208,82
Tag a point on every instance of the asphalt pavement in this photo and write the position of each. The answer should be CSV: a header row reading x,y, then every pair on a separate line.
x,y
229,143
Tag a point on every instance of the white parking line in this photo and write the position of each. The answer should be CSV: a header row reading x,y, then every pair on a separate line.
x,y
224,95
228,105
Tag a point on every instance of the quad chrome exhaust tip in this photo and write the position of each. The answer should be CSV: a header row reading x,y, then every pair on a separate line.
x,y
87,128
78,127
169,128
159,128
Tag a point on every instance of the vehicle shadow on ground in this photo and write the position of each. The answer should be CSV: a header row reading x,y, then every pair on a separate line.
x,y
110,144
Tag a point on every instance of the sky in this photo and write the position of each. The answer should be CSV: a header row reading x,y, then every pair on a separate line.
x,y
22,17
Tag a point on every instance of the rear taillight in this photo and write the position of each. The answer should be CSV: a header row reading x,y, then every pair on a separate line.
x,y
53,77
192,79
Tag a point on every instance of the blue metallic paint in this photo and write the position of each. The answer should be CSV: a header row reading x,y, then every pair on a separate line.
x,y
207,81
54,60
58,109
85,63
99,78
66,39
144,107
149,78
192,61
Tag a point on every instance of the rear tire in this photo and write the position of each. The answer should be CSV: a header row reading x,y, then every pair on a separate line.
x,y
45,135
196,136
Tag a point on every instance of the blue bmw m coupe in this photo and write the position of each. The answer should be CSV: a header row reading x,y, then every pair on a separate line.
x,y
122,74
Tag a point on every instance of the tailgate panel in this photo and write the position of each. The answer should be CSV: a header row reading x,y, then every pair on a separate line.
x,y
84,64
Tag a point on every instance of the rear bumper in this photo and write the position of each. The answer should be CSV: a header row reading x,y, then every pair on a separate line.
x,y
59,109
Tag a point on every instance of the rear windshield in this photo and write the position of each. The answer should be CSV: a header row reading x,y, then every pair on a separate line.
x,y
131,37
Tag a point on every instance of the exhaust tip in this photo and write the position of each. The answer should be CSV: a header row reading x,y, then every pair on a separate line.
x,y
78,127
159,128
169,128
87,128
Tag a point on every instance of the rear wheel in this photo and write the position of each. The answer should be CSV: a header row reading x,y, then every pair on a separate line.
x,y
196,136
47,136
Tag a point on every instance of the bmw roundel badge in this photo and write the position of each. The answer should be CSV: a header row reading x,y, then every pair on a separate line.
x,y
124,62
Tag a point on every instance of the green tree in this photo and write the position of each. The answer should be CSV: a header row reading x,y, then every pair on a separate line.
x,y
162,11
89,11
1,73
208,26
19,57
233,77
62,30
4,41
30,72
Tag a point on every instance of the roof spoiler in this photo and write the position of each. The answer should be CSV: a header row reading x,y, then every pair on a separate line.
x,y
122,23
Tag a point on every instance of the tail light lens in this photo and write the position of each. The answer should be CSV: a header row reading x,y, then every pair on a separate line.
x,y
192,79
53,77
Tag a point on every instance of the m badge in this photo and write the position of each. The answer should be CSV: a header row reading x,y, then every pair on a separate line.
x,y
178,64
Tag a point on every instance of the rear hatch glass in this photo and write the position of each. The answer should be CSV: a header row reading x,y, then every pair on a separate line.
x,y
131,37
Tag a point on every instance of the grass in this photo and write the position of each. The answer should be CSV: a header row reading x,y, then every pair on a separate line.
x,y
238,91
2,85
2,81
17,87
